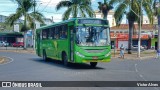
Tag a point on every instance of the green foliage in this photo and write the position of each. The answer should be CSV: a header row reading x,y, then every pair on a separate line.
x,y
155,8
23,10
75,8
133,13
106,7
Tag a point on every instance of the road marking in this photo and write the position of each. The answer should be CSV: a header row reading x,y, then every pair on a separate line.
x,y
11,60
136,69
142,77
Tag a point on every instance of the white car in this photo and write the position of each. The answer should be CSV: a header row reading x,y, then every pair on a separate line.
x,y
135,47
3,44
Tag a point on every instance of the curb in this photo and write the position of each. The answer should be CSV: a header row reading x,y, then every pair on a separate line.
x,y
134,58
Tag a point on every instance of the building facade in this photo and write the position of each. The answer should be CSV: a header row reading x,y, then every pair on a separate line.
x,y
110,17
119,35
12,34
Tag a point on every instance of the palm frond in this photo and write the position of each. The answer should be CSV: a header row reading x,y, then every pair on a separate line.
x,y
63,4
89,11
38,16
120,12
67,14
14,17
147,7
75,11
112,2
82,12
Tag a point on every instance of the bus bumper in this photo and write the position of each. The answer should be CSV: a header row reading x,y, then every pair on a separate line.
x,y
104,60
90,59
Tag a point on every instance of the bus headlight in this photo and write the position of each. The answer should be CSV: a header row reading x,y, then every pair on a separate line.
x,y
77,53
109,53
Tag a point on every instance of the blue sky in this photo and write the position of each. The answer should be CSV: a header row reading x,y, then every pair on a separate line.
x,y
46,7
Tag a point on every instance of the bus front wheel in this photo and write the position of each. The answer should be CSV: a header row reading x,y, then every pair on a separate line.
x,y
93,64
65,59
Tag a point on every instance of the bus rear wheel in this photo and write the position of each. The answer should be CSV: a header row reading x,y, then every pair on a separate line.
x,y
93,64
45,56
65,59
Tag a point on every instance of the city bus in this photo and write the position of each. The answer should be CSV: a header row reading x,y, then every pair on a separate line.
x,y
78,40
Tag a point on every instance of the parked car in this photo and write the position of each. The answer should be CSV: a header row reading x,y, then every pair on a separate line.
x,y
145,47
3,44
135,47
18,44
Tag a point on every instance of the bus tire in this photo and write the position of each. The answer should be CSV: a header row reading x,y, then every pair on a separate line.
x,y
45,56
65,59
93,64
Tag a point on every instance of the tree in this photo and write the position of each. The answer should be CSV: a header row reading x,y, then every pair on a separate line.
x,y
23,10
133,14
156,8
76,8
105,7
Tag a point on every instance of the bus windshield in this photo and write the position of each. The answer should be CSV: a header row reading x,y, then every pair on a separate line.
x,y
92,36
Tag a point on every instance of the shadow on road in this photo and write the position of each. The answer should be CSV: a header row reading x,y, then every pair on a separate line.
x,y
60,64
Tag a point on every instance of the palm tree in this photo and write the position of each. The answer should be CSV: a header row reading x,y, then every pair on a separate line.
x,y
133,14
76,8
105,7
157,14
23,10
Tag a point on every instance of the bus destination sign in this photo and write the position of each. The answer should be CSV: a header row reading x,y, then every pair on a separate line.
x,y
92,21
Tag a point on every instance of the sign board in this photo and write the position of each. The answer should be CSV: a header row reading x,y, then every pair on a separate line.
x,y
16,27
92,21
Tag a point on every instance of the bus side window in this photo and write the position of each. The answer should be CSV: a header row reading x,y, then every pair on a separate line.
x,y
52,32
49,34
56,35
63,32
44,34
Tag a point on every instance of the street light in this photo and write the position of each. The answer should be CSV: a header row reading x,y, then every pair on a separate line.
x,y
139,32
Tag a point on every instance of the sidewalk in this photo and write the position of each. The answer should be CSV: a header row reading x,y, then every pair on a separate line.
x,y
28,50
134,56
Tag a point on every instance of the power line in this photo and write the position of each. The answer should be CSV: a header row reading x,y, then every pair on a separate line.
x,y
46,5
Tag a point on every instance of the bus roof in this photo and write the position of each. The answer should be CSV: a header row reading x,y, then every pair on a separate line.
x,y
70,20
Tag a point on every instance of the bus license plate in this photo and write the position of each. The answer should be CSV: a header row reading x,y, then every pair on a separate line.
x,y
94,57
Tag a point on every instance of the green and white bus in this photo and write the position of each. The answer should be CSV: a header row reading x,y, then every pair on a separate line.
x,y
78,40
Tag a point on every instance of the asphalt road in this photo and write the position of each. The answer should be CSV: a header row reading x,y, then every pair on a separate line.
x,y
29,67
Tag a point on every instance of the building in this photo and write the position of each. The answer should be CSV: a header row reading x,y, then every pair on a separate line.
x,y
12,34
7,33
47,21
110,17
29,35
119,35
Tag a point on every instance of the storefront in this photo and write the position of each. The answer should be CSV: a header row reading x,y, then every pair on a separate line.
x,y
120,39
10,37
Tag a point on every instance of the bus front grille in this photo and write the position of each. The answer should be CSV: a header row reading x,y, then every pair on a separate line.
x,y
95,51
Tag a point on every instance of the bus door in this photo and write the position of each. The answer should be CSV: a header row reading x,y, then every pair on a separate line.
x,y
71,28
38,44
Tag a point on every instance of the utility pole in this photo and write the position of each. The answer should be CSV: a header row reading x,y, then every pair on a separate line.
x,y
34,26
139,33
158,48
158,17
